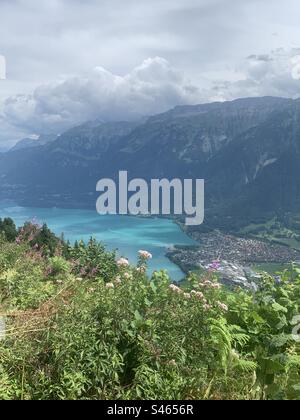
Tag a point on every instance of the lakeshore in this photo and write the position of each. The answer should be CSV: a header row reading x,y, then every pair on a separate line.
x,y
125,234
174,248
235,250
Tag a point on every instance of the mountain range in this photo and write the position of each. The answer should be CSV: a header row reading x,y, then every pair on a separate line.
x,y
29,142
247,151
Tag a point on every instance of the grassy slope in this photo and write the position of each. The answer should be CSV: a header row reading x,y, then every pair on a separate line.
x,y
126,336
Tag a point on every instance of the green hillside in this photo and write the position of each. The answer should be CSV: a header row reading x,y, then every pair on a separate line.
x,y
78,324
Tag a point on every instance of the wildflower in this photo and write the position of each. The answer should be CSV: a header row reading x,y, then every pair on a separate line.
x,y
118,280
92,290
207,283
110,286
172,363
122,262
75,263
59,281
199,295
83,272
94,271
216,286
187,295
145,255
207,307
175,288
214,266
235,354
79,279
141,270
222,306
127,276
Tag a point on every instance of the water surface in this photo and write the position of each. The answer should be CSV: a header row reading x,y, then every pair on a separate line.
x,y
125,234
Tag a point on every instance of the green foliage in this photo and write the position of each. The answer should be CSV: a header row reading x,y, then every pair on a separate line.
x,y
8,229
58,265
92,260
266,319
41,238
128,336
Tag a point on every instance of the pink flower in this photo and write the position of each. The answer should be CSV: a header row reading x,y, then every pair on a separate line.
x,y
207,307
175,288
127,276
141,270
210,285
214,266
94,271
199,295
222,306
216,286
207,283
122,262
145,255
118,280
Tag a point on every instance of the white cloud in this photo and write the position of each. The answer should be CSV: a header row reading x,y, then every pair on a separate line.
x,y
273,74
2,67
152,87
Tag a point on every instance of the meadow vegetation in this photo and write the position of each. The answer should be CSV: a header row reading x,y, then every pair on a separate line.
x,y
81,324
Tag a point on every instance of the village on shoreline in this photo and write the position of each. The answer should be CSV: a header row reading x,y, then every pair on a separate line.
x,y
237,256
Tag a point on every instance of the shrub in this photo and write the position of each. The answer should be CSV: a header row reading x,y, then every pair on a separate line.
x,y
8,229
92,260
128,336
57,266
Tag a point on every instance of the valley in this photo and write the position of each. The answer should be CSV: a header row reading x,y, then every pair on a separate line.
x,y
247,151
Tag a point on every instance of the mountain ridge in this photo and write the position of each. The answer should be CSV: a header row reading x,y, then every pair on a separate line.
x,y
243,149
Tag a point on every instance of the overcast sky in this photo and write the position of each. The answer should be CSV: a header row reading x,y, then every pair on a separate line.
x,y
72,60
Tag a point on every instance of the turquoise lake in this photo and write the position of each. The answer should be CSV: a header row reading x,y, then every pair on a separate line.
x,y
125,234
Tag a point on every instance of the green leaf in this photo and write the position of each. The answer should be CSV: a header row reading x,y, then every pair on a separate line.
x,y
138,316
153,287
148,302
280,340
279,308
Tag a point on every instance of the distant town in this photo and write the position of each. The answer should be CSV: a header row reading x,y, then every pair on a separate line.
x,y
220,246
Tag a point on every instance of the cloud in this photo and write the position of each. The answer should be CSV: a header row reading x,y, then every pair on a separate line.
x,y
2,67
274,74
153,87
